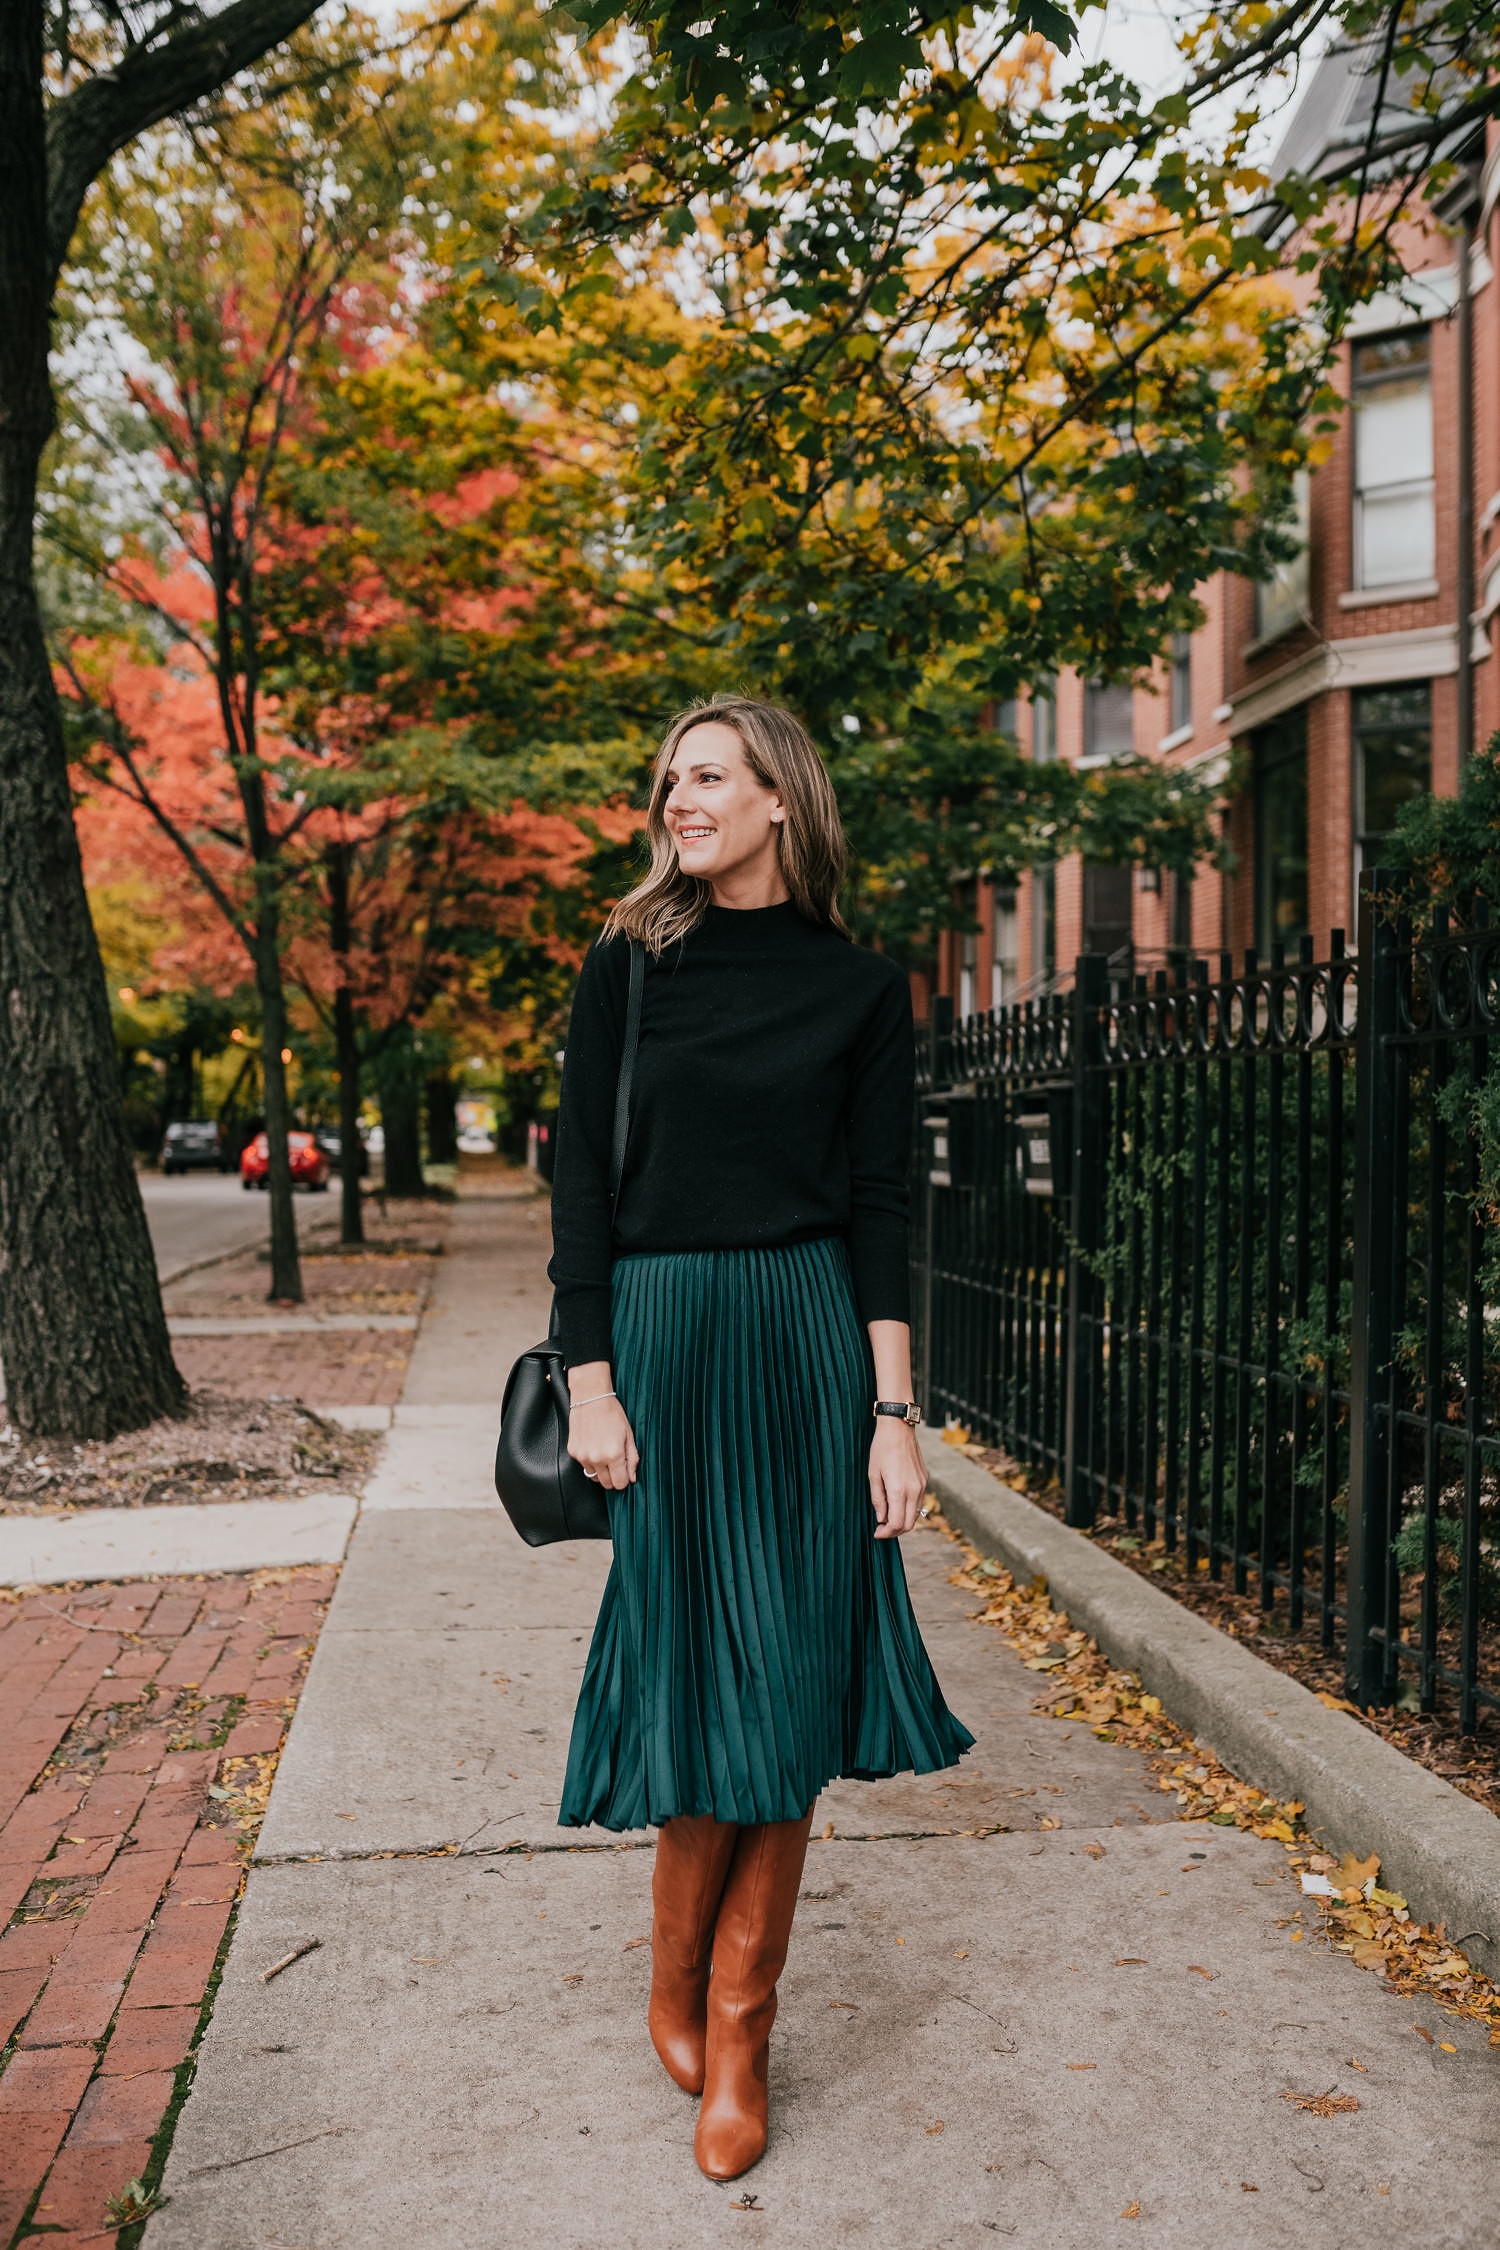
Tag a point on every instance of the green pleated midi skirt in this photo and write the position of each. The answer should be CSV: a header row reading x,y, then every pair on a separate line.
x,y
755,1640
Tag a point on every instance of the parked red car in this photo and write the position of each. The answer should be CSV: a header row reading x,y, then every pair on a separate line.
x,y
310,1166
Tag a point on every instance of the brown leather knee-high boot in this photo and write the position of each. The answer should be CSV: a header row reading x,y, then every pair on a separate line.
x,y
750,1942
692,1862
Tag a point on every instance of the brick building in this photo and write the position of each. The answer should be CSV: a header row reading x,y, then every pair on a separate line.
x,y
1325,698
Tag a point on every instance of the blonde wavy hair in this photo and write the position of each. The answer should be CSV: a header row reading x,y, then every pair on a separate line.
x,y
666,904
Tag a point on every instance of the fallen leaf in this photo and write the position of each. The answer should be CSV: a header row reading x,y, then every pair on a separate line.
x,y
955,1433
1354,1873
1093,1851
1356,2064
1131,2211
1323,2105
1082,2066
1444,2048
1422,2032
828,1833
1337,1702
1130,1961
901,1941
960,1956
632,1942
854,2004
1247,2189
937,2128
1195,1971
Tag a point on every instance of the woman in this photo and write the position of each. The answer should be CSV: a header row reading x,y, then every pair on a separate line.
x,y
726,1338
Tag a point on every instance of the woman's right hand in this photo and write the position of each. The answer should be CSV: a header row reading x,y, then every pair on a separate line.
x,y
600,1438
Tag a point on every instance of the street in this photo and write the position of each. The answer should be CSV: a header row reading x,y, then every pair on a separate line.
x,y
200,1215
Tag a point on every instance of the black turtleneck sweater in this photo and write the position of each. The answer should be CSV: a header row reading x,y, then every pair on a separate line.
x,y
771,1104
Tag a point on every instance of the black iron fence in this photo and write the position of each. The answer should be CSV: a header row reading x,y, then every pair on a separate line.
x,y
1213,1255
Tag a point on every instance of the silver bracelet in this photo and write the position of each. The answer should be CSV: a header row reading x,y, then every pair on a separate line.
x,y
594,1401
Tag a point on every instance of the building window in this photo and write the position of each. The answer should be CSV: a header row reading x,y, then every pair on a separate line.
x,y
1280,755
1394,541
1043,725
1108,911
1182,681
1108,724
1392,761
1003,716
1005,947
1281,601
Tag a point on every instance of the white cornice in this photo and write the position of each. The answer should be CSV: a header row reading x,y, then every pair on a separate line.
x,y
1429,652
1421,298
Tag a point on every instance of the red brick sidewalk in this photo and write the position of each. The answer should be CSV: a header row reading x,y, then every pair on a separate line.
x,y
138,1736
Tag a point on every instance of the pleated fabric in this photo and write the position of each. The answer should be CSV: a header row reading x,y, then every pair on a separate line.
x,y
755,1640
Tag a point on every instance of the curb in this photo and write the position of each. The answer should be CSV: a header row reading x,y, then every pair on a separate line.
x,y
1437,1847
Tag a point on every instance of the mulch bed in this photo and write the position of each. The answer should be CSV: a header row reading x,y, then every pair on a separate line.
x,y
233,1448
142,1728
1470,1762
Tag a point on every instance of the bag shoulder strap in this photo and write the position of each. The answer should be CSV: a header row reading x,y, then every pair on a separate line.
x,y
627,1070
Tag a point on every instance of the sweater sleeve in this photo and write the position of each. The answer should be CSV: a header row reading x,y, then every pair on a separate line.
x,y
582,1248
880,1109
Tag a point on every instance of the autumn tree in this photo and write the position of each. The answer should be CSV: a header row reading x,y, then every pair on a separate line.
x,y
82,1334
1000,361
238,270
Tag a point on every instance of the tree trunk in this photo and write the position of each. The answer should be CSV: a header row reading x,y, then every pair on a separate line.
x,y
401,1114
442,1118
83,1337
346,1043
286,1266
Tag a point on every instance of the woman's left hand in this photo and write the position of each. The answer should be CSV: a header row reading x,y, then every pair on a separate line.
x,y
898,1477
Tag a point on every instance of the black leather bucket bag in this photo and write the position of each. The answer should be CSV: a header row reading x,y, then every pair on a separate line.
x,y
545,1492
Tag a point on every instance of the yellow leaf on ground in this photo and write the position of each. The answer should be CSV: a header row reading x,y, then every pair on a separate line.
x,y
1131,2211
1337,1702
1354,1873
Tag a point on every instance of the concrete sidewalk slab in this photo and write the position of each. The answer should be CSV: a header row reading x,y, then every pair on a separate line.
x,y
440,1704
413,1570
424,1740
187,1541
464,2062
490,1301
1437,1847
444,1458
358,1417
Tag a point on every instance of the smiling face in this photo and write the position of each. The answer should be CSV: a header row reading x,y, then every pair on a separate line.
x,y
722,818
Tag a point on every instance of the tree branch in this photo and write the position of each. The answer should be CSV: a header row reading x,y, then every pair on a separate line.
x,y
90,125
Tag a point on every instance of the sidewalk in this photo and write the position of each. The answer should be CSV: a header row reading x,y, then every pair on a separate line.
x,y
1020,2003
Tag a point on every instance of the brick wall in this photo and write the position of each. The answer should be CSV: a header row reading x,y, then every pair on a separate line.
x,y
1229,664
